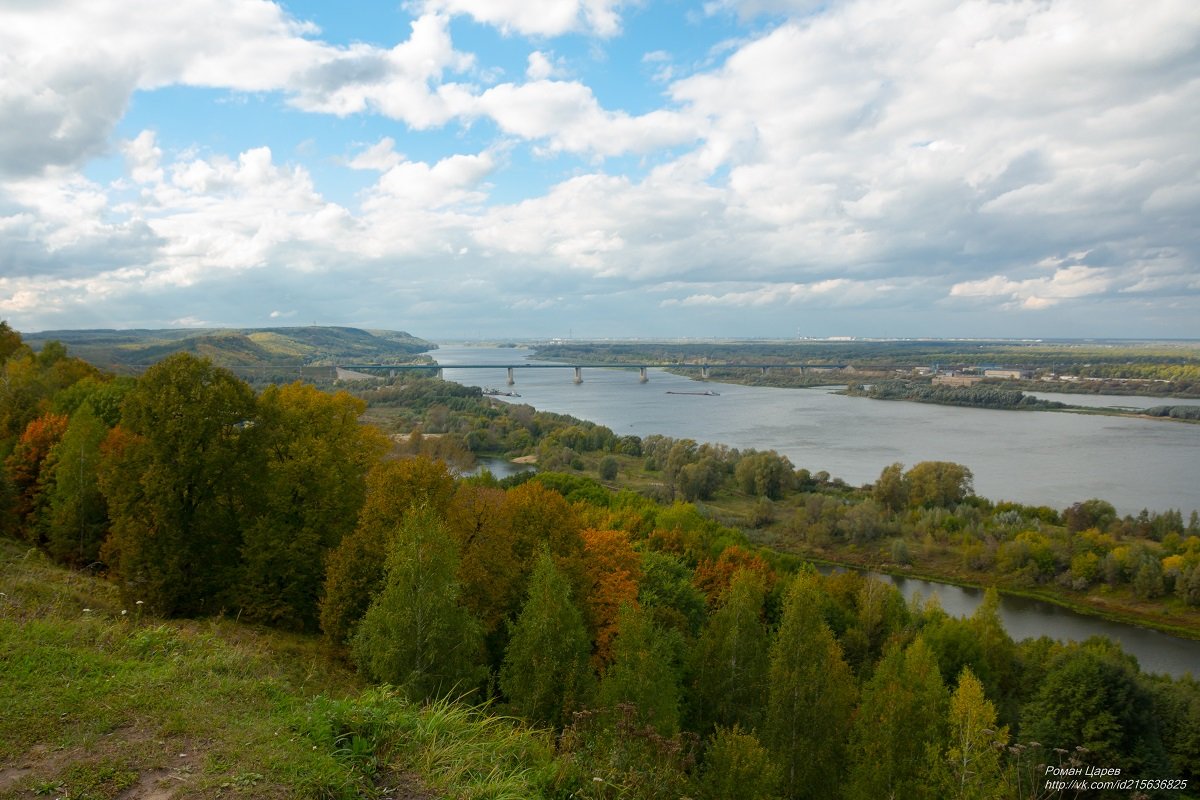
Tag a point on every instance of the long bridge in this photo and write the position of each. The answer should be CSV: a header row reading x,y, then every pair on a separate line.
x,y
578,368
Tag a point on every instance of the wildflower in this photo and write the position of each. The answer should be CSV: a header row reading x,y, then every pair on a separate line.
x,y
87,611
123,612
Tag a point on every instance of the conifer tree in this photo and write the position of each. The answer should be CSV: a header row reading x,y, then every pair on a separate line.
x,y
899,727
416,634
731,658
546,672
811,696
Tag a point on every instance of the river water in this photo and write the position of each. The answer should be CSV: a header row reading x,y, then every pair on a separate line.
x,y
1040,458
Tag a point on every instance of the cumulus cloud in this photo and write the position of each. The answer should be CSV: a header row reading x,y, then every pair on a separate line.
x,y
865,154
568,116
543,18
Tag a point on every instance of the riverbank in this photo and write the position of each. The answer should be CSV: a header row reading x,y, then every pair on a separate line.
x,y
1180,621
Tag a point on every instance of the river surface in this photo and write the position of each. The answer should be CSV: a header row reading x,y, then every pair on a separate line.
x,y
1024,618
1032,457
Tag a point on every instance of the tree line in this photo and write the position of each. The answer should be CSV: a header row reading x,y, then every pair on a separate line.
x,y
669,655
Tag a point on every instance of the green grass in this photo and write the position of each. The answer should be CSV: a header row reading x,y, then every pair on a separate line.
x,y
101,702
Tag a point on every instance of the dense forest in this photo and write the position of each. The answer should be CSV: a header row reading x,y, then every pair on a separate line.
x,y
665,649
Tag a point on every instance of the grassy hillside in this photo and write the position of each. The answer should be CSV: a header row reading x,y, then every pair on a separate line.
x,y
248,347
100,702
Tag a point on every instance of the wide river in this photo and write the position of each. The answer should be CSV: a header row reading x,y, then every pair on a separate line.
x,y
1046,458
1039,458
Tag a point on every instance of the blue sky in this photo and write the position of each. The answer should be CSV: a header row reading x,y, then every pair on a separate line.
x,y
603,168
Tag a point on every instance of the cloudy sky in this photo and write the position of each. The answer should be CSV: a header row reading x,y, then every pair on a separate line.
x,y
461,168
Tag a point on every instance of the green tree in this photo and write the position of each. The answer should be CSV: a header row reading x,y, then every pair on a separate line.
x,y
1091,696
668,594
643,672
547,673
731,658
317,457
938,483
811,697
354,569
899,727
76,519
737,765
890,490
416,634
181,486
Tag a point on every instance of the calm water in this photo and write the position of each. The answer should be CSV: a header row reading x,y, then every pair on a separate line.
x,y
1028,619
1042,458
1032,457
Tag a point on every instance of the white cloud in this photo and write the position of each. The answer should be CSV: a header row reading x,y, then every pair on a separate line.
x,y
1036,293
380,156
542,67
970,154
567,114
542,18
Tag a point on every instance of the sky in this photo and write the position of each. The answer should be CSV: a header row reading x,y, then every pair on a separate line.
x,y
604,168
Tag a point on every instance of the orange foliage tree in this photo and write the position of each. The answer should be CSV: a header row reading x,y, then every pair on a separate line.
x,y
713,577
612,570
27,467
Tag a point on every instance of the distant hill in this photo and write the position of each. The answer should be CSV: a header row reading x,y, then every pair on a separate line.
x,y
125,350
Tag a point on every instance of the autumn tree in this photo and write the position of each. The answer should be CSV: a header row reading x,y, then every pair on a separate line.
x,y
547,673
534,517
355,568
730,662
969,766
612,569
416,635
487,568
182,485
714,577
28,472
810,696
317,456
899,727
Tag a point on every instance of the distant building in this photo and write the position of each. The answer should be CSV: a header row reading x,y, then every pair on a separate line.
x,y
956,380
1011,374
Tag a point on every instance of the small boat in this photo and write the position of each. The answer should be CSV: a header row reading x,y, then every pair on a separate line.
x,y
499,393
707,393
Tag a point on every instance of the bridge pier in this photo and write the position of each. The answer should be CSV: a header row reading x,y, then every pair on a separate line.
x,y
704,373
511,381
579,375
643,378
440,374
764,370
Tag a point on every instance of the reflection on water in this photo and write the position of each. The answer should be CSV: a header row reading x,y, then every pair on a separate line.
x,y
1025,618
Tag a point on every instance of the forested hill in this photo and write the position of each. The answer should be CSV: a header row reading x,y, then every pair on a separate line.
x,y
237,347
